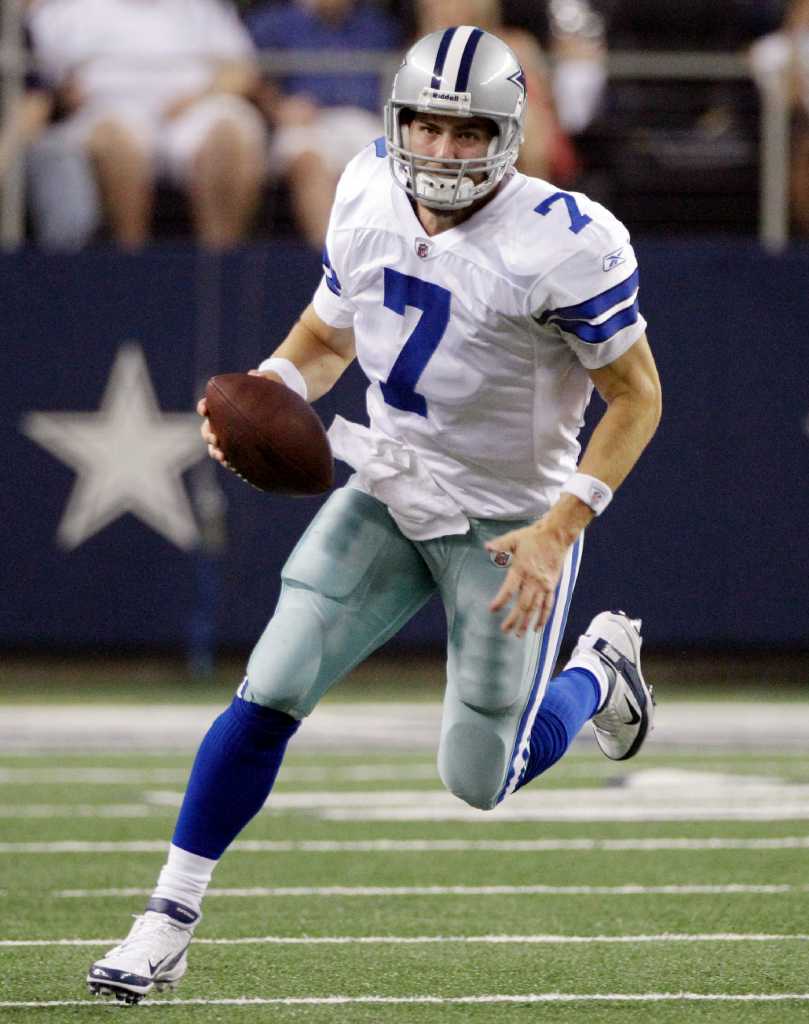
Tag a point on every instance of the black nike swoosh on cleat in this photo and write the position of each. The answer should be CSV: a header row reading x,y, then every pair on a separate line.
x,y
634,717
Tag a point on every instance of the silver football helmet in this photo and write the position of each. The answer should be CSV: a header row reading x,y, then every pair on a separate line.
x,y
464,72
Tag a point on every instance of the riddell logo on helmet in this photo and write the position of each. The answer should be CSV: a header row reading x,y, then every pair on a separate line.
x,y
431,98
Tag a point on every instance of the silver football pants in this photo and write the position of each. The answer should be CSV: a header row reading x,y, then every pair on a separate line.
x,y
354,580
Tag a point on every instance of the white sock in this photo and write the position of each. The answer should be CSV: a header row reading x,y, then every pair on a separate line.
x,y
184,878
592,663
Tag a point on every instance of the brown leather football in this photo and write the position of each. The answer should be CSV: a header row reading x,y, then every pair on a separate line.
x,y
269,434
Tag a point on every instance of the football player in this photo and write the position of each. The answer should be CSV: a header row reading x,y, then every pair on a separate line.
x,y
483,307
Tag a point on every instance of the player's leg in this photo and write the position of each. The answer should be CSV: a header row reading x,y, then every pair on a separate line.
x,y
491,747
495,681
352,581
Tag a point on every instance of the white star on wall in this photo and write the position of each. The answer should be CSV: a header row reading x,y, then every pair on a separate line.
x,y
129,457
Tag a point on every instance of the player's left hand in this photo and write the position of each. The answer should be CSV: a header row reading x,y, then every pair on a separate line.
x,y
537,557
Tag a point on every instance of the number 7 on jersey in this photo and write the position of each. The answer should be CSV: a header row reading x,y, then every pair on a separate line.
x,y
401,291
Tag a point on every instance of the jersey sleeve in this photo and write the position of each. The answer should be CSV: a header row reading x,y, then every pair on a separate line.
x,y
591,299
332,300
329,302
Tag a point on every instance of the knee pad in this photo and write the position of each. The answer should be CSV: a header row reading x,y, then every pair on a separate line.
x,y
286,663
472,764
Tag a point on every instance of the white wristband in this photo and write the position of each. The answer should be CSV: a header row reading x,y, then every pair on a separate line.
x,y
288,372
590,490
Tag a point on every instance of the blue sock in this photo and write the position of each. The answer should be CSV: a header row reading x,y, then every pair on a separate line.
x,y
232,776
571,699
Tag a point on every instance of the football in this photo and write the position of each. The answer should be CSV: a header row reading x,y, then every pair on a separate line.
x,y
270,436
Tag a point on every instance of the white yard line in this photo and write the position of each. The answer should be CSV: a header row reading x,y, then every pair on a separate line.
x,y
420,845
81,811
420,940
644,795
399,726
150,776
457,890
530,997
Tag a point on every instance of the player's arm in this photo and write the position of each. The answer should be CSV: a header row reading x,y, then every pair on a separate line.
x,y
631,389
320,352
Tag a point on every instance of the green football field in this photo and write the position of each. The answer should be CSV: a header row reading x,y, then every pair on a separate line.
x,y
672,888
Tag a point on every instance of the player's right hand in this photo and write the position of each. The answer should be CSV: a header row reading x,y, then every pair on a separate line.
x,y
208,435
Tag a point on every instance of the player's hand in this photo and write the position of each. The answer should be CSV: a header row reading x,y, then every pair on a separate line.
x,y
208,435
537,557
269,374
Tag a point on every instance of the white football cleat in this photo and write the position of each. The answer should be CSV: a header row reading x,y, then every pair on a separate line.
x,y
627,715
153,955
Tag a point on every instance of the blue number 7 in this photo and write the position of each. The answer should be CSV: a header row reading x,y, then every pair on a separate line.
x,y
401,290
578,220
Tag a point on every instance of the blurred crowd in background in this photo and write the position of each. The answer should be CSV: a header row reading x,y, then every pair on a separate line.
x,y
227,122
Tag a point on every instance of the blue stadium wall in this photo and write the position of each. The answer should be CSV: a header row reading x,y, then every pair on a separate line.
x,y
708,540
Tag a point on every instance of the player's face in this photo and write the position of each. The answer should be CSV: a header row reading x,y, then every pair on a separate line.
x,y
450,138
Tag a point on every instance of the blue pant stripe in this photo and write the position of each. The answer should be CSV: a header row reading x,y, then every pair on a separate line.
x,y
545,663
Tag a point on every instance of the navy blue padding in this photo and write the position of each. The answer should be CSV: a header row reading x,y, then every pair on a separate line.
x,y
177,911
380,146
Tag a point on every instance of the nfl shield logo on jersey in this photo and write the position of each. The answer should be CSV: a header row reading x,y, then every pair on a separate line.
x,y
423,247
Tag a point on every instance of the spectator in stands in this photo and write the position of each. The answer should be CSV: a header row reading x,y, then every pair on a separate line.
x,y
57,223
547,151
785,54
322,118
155,91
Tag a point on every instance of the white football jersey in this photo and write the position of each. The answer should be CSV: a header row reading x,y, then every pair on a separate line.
x,y
476,342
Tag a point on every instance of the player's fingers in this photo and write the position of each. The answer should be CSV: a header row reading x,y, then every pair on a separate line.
x,y
510,585
526,606
207,434
544,611
202,407
502,543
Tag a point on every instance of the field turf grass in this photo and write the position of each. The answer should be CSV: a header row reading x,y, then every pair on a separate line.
x,y
629,957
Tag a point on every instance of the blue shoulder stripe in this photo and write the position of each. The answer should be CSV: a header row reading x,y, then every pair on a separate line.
x,y
594,334
380,146
592,308
332,280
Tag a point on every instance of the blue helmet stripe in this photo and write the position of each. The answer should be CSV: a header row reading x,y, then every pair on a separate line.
x,y
441,56
467,56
